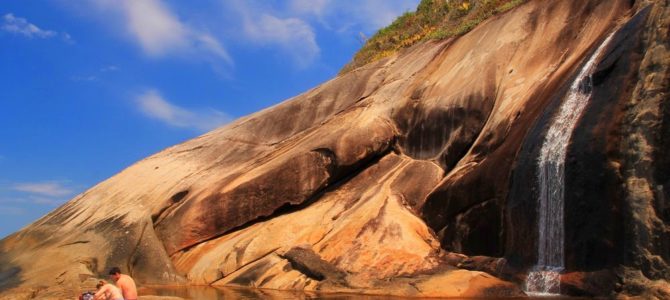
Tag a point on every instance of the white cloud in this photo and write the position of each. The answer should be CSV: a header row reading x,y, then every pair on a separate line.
x,y
159,32
84,78
293,35
48,188
31,199
8,199
67,37
97,76
14,196
110,68
153,105
379,13
292,25
11,210
170,28
155,27
21,26
262,26
313,7
47,201
208,43
368,15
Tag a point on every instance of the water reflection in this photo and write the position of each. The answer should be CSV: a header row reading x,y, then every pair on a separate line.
x,y
228,293
210,293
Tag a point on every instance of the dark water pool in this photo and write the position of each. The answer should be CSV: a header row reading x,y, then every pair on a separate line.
x,y
210,293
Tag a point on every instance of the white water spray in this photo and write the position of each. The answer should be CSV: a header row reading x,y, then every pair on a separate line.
x,y
544,279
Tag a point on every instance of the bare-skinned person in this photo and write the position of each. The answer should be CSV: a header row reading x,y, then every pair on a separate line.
x,y
125,283
107,291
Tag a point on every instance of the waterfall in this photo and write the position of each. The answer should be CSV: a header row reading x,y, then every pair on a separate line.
x,y
544,279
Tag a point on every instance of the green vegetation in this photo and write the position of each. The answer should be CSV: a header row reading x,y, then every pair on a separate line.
x,y
433,19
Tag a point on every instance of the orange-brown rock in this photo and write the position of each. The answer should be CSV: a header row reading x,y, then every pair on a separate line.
x,y
360,184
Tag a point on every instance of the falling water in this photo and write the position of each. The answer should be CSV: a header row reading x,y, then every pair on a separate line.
x,y
544,279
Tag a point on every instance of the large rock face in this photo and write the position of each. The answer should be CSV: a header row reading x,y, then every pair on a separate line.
x,y
373,181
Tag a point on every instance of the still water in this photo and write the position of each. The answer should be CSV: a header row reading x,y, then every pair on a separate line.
x,y
210,293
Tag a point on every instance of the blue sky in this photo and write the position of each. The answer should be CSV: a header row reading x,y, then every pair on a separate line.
x,y
89,87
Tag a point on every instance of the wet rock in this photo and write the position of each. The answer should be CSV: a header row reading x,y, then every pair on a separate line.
x,y
590,284
492,265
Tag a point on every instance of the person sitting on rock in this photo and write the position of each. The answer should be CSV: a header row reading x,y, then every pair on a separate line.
x,y
107,291
125,283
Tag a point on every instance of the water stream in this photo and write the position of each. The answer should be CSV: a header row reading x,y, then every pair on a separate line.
x,y
544,279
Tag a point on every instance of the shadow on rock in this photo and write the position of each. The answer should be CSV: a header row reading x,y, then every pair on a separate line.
x,y
9,273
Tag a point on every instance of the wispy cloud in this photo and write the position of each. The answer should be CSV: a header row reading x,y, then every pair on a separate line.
x,y
262,26
30,199
160,32
97,75
292,26
368,15
9,199
153,105
7,210
21,26
110,68
84,78
313,7
47,201
156,29
48,188
163,29
50,193
293,35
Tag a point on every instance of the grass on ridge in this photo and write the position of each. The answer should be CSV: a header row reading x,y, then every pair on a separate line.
x,y
433,19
